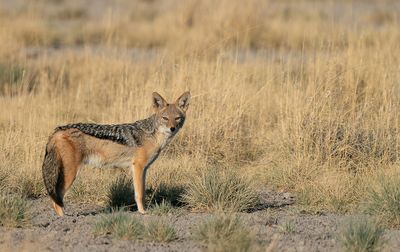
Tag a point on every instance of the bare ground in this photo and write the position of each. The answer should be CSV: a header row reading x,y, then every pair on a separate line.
x,y
74,232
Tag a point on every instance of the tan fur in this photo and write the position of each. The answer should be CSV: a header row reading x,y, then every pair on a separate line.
x,y
142,157
71,156
69,149
57,208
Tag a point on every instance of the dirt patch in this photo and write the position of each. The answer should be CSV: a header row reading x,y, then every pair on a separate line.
x,y
276,221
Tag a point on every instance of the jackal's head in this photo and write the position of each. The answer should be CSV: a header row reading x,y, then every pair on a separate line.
x,y
171,116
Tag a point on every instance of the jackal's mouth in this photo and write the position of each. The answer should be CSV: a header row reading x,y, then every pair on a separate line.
x,y
167,131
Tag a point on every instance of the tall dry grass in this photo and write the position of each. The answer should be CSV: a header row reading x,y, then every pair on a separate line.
x,y
298,95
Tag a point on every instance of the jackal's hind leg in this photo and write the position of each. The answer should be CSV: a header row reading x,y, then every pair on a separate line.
x,y
70,158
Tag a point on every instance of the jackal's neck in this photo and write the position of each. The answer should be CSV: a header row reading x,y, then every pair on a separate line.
x,y
153,124
150,124
153,127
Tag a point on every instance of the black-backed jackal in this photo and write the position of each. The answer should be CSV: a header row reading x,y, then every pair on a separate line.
x,y
134,145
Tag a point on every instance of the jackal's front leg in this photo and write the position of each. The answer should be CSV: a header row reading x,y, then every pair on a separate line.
x,y
139,177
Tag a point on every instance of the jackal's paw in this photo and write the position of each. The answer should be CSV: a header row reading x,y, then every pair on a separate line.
x,y
142,211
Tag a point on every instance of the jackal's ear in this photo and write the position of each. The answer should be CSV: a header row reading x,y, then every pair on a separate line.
x,y
183,101
158,101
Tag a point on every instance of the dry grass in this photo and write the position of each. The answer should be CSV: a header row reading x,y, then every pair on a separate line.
x,y
289,93
383,201
122,225
160,231
224,233
362,235
164,208
119,225
287,227
165,194
215,190
13,210
121,193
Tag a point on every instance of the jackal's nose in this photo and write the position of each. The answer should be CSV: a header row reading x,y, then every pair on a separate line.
x,y
172,129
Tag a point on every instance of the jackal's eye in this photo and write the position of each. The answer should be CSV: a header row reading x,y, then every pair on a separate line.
x,y
165,118
178,118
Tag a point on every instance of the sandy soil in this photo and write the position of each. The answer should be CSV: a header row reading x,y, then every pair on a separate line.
x,y
74,232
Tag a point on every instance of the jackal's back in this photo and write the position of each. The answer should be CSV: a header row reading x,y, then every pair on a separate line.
x,y
130,134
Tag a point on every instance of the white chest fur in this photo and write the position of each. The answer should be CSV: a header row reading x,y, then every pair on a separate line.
x,y
162,139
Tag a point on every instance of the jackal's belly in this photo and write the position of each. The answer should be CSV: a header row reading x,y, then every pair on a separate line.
x,y
99,161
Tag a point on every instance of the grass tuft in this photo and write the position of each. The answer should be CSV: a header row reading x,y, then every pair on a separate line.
x,y
224,233
165,207
120,225
160,231
166,193
124,226
287,227
13,210
383,201
31,187
121,193
215,190
362,235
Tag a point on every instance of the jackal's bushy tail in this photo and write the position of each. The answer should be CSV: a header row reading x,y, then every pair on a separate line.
x,y
52,174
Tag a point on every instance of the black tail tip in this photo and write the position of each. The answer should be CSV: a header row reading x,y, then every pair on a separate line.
x,y
57,199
